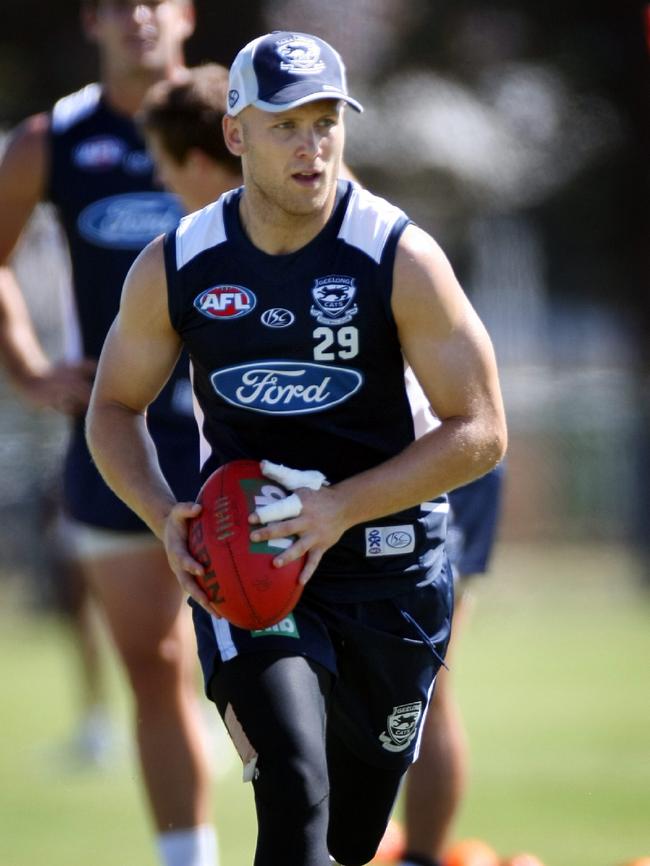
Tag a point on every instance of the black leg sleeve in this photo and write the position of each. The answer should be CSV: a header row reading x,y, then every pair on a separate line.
x,y
280,703
361,800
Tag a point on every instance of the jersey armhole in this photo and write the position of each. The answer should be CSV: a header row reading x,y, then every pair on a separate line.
x,y
388,262
172,279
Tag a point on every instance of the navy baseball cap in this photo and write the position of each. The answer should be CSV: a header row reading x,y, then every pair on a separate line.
x,y
283,70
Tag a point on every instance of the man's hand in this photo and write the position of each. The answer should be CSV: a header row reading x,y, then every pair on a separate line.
x,y
184,566
318,526
65,387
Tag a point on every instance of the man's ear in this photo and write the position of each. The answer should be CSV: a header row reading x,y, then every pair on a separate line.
x,y
88,16
189,19
233,134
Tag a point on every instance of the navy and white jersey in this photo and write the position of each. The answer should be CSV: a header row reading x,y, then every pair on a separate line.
x,y
296,359
101,182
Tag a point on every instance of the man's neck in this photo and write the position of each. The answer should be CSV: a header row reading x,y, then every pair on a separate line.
x,y
276,231
125,92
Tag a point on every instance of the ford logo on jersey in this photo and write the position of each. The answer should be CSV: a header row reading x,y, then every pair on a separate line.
x,y
225,302
286,387
129,221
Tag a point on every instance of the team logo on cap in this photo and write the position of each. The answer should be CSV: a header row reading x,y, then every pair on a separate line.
x,y
334,296
225,302
233,98
300,56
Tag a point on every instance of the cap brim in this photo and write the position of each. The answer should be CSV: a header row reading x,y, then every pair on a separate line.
x,y
276,107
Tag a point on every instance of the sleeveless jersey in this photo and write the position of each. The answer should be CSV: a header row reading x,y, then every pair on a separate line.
x,y
101,182
296,359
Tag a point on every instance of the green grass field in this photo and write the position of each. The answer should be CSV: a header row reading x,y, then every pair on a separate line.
x,y
552,673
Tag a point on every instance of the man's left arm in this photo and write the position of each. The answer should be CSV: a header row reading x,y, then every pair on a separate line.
x,y
451,355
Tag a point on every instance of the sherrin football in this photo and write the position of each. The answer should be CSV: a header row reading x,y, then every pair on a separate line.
x,y
240,580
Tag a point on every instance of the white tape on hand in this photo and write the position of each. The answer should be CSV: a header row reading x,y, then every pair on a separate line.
x,y
281,509
292,479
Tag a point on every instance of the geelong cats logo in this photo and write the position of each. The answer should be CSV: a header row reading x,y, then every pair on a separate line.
x,y
401,727
334,296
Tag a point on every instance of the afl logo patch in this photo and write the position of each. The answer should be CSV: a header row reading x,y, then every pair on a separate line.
x,y
277,317
100,153
225,302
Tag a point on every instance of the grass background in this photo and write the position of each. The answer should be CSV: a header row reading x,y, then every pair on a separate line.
x,y
552,674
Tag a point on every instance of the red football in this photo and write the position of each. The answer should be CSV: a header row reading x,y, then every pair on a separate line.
x,y
240,579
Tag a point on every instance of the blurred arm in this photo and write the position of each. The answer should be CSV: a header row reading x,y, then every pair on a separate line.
x,y
23,170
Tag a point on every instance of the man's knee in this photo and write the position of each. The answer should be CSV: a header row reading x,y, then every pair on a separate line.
x,y
293,786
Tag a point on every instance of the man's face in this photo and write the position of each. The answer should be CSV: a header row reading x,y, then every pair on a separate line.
x,y
293,158
136,35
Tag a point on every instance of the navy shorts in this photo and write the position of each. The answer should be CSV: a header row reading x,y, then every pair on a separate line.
x,y
88,499
473,517
384,655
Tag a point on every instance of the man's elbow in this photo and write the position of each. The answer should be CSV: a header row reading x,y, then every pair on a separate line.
x,y
496,443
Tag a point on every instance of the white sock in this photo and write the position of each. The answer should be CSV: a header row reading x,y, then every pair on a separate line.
x,y
195,846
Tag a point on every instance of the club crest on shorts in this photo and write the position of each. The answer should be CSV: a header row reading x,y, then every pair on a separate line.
x,y
333,297
402,726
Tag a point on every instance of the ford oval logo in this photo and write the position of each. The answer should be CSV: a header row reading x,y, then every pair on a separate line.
x,y
286,387
129,221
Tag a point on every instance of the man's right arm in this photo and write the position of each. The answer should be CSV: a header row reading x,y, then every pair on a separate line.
x,y
23,173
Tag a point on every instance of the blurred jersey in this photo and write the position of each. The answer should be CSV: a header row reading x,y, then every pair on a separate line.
x,y
102,184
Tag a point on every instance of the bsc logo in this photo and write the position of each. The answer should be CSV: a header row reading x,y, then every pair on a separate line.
x,y
225,302
277,317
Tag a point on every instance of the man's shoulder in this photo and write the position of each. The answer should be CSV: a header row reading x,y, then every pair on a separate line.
x,y
201,230
369,221
76,107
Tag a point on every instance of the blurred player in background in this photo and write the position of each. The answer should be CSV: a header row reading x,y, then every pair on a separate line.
x,y
181,121
88,158
182,124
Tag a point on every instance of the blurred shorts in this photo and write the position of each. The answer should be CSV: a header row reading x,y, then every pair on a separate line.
x,y
83,541
474,511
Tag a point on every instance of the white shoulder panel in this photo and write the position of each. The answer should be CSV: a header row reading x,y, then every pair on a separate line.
x,y
199,231
75,107
368,222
